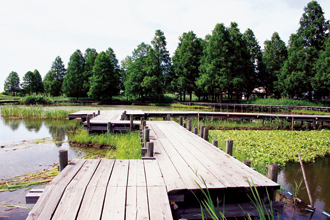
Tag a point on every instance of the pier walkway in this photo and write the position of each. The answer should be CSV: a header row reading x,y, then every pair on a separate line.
x,y
163,186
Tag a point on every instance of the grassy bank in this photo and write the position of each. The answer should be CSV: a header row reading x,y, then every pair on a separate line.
x,y
264,147
119,145
35,111
285,102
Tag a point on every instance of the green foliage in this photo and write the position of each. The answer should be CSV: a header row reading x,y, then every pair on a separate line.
x,y
35,99
265,147
35,111
105,80
305,46
127,145
12,83
186,61
32,82
282,101
273,57
73,84
53,80
89,57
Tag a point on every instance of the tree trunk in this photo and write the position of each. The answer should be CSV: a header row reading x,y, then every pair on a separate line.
x,y
190,96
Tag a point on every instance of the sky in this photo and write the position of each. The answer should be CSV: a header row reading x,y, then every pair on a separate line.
x,y
35,32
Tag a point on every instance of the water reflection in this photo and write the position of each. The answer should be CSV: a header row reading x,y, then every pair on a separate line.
x,y
317,175
12,123
32,124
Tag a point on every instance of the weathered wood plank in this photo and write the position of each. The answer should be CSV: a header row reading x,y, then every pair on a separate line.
x,y
50,198
137,203
136,174
119,174
91,207
159,205
73,195
114,204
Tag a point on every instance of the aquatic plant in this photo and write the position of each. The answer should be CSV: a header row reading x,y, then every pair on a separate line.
x,y
36,99
277,146
35,111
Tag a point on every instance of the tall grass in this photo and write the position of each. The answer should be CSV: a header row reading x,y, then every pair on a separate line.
x,y
208,208
35,111
123,145
285,102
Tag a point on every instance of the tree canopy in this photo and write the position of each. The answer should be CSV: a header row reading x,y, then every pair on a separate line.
x,y
12,83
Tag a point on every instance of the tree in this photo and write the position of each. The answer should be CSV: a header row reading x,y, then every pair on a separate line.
x,y
12,83
306,46
158,67
53,80
114,61
89,57
135,67
321,81
38,86
241,70
73,84
215,64
29,83
274,56
256,58
105,80
186,61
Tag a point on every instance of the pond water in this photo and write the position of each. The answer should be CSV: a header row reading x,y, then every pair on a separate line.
x,y
30,145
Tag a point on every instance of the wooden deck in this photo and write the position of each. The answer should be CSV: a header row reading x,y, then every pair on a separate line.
x,y
144,189
105,189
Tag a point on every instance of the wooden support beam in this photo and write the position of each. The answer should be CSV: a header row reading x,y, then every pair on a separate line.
x,y
63,158
229,147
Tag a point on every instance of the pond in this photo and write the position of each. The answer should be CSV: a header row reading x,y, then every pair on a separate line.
x,y
31,145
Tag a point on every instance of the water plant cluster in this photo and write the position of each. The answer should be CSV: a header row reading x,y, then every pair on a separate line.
x,y
36,99
265,147
121,145
35,111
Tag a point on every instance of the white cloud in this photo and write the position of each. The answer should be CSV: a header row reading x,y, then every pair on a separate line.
x,y
34,32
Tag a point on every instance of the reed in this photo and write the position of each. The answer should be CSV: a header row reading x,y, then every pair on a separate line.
x,y
35,111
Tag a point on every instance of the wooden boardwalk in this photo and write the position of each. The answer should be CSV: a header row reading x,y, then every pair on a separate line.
x,y
105,189
144,189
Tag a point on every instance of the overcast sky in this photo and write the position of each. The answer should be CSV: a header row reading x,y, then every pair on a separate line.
x,y
35,32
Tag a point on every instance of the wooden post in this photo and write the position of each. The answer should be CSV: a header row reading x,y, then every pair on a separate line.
x,y
88,121
195,130
189,125
168,117
180,120
229,147
185,125
292,122
306,183
215,143
63,157
93,114
98,112
201,131
206,133
273,171
146,136
272,174
131,122
150,149
109,127
247,163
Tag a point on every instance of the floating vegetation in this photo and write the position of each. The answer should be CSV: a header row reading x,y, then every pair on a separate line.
x,y
35,111
29,180
265,147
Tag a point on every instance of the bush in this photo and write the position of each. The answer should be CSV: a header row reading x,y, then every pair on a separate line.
x,y
32,100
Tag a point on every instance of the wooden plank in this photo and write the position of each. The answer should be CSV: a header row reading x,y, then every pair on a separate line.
x,y
114,204
50,198
136,174
192,161
119,174
153,174
91,207
159,205
171,176
70,202
233,165
137,203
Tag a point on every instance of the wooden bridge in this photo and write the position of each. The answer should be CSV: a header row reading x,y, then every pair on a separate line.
x,y
163,186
